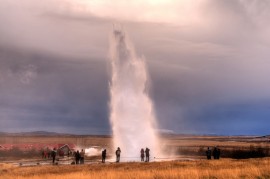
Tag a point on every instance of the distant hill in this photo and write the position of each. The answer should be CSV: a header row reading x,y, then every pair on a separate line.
x,y
161,133
41,133
2,133
34,133
46,133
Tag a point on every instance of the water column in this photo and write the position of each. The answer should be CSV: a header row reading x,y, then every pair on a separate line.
x,y
132,115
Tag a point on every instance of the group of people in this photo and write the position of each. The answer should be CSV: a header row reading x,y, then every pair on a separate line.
x,y
144,153
47,154
147,154
79,157
215,153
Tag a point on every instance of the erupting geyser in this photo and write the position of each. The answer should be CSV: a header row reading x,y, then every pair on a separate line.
x,y
132,114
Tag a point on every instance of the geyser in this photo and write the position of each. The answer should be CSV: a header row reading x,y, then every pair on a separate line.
x,y
132,114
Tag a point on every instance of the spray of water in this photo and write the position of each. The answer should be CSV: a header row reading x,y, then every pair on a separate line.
x,y
132,114
93,151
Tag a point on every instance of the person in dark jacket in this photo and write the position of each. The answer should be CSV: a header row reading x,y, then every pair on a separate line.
x,y
218,153
142,155
117,153
147,154
77,157
103,154
82,153
208,153
53,154
215,153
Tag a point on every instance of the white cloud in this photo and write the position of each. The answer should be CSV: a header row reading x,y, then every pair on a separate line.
x,y
165,11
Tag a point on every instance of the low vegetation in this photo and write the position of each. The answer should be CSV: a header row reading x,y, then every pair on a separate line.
x,y
236,152
17,153
224,168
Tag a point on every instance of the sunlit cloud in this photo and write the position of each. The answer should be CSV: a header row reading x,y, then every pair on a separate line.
x,y
159,11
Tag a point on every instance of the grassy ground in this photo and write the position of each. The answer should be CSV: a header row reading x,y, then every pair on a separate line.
x,y
224,169
188,146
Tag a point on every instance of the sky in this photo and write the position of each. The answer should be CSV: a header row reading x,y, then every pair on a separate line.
x,y
208,64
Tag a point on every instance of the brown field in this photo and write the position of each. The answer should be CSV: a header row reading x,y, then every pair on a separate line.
x,y
179,145
168,142
224,169
78,140
184,146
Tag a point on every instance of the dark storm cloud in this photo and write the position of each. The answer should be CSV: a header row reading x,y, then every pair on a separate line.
x,y
209,68
231,118
62,94
185,96
223,62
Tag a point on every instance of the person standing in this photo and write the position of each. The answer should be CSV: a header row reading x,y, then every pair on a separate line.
x,y
215,153
117,153
218,153
53,155
208,153
82,153
103,154
147,154
142,155
77,157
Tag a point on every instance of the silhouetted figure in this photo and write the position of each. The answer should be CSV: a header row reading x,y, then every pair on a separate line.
x,y
147,154
117,153
215,153
218,153
103,154
208,153
82,156
77,157
142,155
53,154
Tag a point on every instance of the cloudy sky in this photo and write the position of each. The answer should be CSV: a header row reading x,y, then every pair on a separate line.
x,y
208,61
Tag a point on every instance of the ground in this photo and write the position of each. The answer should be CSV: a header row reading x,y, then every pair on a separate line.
x,y
188,162
224,168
